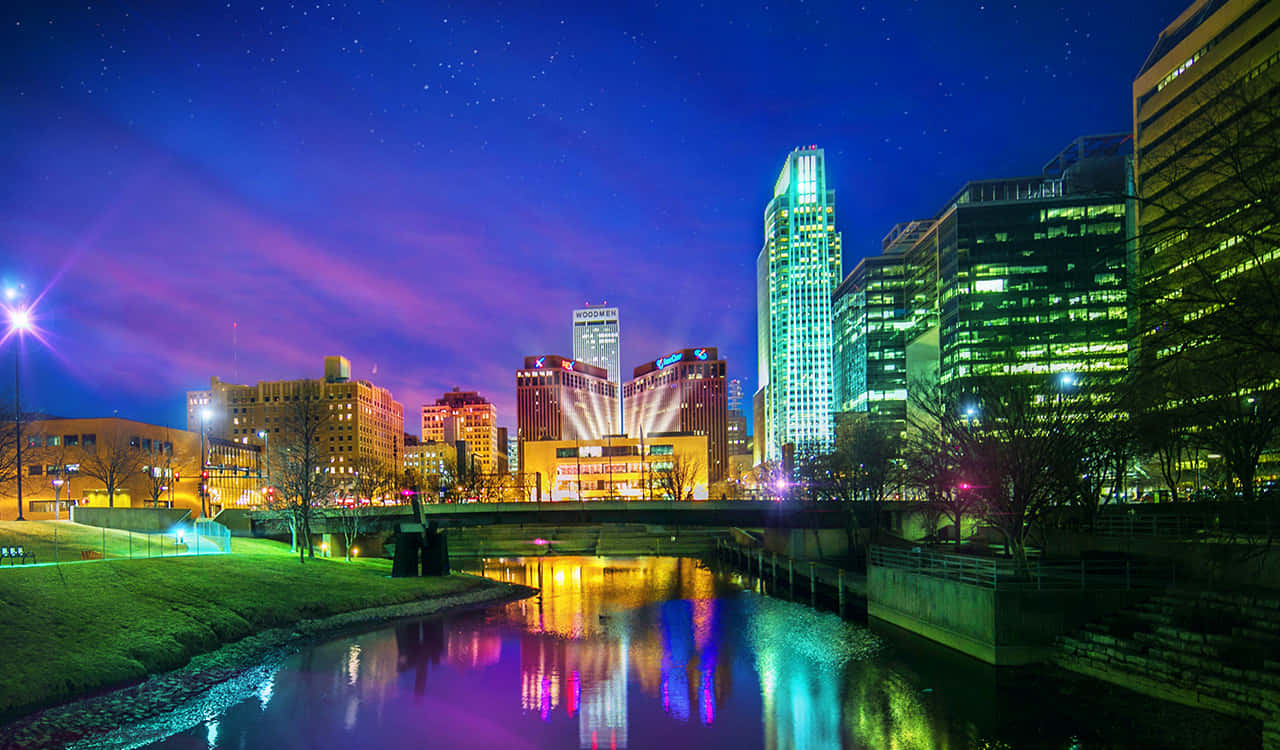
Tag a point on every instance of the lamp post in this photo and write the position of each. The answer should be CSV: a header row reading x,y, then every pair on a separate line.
x,y
204,472
19,323
266,453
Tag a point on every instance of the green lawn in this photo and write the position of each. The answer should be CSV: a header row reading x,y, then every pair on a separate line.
x,y
74,628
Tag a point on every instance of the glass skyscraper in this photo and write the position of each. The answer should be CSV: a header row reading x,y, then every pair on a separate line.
x,y
797,271
596,342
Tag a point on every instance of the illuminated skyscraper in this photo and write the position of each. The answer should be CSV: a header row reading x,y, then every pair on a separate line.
x,y
595,341
563,399
797,271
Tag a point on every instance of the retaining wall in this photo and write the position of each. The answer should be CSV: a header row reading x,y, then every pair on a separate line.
x,y
144,520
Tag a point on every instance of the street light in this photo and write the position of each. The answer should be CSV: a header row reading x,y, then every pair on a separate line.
x,y
266,453
205,415
19,324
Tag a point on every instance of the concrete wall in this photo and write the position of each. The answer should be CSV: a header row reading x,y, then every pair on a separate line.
x,y
1004,628
1206,562
808,544
131,519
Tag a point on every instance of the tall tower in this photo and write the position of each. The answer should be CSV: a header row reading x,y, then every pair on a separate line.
x,y
796,272
595,341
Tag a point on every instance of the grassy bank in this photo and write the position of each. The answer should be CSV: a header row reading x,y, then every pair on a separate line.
x,y
81,627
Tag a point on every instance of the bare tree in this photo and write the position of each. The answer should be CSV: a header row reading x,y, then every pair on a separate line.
x,y
8,444
676,477
114,459
161,469
301,470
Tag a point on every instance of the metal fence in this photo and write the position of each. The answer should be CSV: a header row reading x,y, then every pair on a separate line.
x,y
1035,574
77,543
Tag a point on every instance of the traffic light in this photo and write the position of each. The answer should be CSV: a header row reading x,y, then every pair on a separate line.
x,y
204,475
176,477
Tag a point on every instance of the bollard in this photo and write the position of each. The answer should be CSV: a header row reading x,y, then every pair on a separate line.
x,y
840,588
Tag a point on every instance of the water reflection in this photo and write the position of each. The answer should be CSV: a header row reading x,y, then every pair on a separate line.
x,y
659,652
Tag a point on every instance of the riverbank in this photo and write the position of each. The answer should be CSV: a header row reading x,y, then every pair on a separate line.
x,y
182,624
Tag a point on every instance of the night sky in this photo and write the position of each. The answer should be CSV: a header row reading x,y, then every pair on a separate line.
x,y
431,193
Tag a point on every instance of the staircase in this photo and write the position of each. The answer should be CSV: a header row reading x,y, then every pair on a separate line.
x,y
1219,651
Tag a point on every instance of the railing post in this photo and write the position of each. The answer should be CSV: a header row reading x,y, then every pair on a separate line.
x,y
840,588
813,587
791,578
1082,574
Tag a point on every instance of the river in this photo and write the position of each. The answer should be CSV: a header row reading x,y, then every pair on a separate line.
x,y
658,653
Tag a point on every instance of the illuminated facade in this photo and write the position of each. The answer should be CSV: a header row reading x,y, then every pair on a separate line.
x,y
736,437
596,341
1024,278
563,399
620,468
465,415
56,453
365,419
869,317
683,391
1205,120
797,271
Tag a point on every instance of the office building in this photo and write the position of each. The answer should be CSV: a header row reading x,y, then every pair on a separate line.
x,y
736,437
465,415
797,271
563,399
617,468
683,391
596,342
58,472
1025,278
1206,259
364,419
869,317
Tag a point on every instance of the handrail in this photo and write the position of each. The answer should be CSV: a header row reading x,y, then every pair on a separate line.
x,y
1035,574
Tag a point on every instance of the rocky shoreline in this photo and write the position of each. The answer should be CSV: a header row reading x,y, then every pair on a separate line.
x,y
106,719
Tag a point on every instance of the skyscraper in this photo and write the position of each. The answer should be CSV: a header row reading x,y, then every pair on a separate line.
x,y
563,399
595,341
797,271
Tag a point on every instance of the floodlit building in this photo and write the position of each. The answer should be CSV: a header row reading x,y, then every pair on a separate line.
x,y
683,391
563,399
1025,278
617,468
797,271
365,420
465,415
596,341
57,469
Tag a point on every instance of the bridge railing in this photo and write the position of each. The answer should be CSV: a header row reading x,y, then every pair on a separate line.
x,y
1035,574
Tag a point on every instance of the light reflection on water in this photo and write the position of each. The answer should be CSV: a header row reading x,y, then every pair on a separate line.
x,y
655,652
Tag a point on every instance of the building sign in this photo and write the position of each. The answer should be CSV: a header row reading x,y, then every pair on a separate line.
x,y
541,361
566,364
596,313
700,353
668,360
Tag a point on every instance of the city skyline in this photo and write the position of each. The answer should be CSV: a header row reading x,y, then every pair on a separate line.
x,y
176,228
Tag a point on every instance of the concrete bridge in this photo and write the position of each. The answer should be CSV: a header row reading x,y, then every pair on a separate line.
x,y
722,514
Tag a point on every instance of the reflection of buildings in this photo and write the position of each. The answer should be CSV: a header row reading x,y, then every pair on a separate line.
x,y
591,629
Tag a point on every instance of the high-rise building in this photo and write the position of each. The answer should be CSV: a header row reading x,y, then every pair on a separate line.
x,y
464,415
869,315
797,271
366,420
1028,275
683,391
563,399
1206,259
596,342
736,436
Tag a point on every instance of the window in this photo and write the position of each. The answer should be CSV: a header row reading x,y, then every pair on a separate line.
x,y
35,470
89,441
566,452
52,441
661,450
